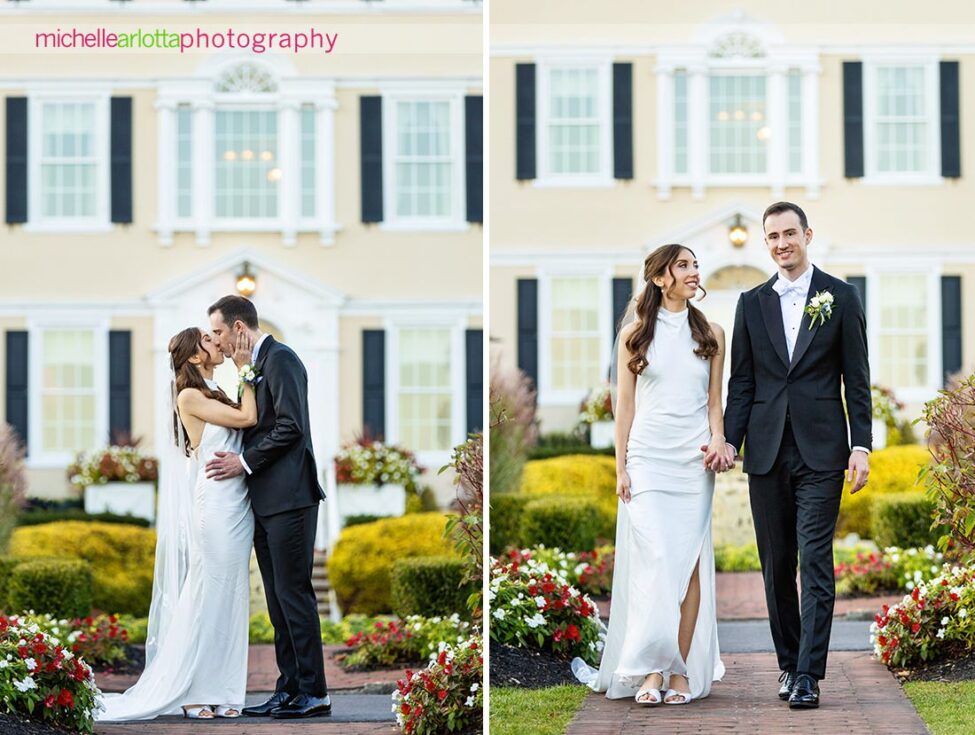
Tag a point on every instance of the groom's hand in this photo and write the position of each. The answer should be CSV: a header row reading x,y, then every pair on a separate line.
x,y
858,470
224,466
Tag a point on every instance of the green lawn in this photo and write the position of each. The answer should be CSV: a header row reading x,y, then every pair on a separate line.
x,y
534,711
947,709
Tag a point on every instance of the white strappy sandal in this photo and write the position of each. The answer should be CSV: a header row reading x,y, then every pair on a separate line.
x,y
227,711
198,712
686,696
654,697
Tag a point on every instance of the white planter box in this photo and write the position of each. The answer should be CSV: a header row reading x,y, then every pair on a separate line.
x,y
122,498
373,500
879,434
602,434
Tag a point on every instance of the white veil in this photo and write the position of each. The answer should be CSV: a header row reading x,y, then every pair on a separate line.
x,y
174,538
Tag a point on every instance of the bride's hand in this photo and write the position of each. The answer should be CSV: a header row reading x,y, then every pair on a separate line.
x,y
623,486
243,349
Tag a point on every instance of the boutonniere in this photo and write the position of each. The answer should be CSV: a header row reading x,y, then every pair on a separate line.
x,y
820,307
247,374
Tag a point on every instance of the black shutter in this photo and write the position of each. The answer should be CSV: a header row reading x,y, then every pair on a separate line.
x,y
622,291
16,210
528,327
371,157
852,119
475,379
17,383
951,324
119,382
950,121
623,120
525,121
121,159
374,382
474,141
860,284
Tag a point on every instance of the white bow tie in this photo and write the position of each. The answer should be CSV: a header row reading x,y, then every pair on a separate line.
x,y
787,288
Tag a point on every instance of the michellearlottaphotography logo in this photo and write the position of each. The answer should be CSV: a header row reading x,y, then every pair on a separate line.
x,y
182,41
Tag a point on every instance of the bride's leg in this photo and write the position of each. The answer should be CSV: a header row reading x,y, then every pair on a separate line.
x,y
688,621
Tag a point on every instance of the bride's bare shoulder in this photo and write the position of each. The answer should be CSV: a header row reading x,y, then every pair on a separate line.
x,y
188,396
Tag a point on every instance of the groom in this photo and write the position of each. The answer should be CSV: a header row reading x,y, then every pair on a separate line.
x,y
796,338
282,482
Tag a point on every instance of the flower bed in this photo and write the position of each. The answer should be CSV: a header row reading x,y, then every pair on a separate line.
x,y
112,464
597,406
892,570
589,571
42,679
408,641
366,461
101,641
534,606
934,621
446,696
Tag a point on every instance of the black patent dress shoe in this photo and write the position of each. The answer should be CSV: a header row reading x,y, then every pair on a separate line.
x,y
304,705
788,680
264,709
805,694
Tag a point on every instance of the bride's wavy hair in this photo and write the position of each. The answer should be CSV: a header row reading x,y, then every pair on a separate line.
x,y
648,304
182,347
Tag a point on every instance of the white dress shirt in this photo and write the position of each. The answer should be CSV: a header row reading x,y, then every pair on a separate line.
x,y
254,353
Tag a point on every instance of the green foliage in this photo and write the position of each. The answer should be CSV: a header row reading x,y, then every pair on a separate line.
x,y
430,585
358,519
572,524
892,470
516,711
59,587
359,568
947,708
729,558
904,520
513,428
422,501
37,517
506,512
13,483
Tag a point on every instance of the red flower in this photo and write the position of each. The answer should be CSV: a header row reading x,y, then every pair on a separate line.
x,y
405,708
50,700
557,635
442,694
65,699
916,627
572,633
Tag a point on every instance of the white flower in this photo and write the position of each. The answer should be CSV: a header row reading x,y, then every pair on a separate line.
x,y
475,686
537,620
4,664
469,702
25,685
941,633
31,664
945,620
540,601
963,613
499,613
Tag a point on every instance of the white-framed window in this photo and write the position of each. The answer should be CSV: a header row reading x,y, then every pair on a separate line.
x,y
423,160
901,103
69,410
247,164
574,334
680,122
795,122
574,122
903,321
68,181
425,403
184,162
309,157
738,124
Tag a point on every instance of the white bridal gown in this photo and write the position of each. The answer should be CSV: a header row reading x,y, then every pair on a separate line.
x,y
665,528
202,656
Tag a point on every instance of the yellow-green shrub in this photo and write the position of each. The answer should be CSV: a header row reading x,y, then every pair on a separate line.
x,y
892,470
121,558
360,564
577,475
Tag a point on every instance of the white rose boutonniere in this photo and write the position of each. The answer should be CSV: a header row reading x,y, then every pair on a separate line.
x,y
820,308
247,374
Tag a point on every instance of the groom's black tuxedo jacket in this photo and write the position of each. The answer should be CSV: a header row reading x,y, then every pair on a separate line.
x,y
765,385
278,449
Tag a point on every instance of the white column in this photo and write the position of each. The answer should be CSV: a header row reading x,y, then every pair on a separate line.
x,y
777,120
810,130
325,170
289,155
204,165
166,164
697,128
665,131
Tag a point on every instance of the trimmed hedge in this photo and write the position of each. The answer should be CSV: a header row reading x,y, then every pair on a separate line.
x,y
59,587
570,524
904,520
37,517
892,470
585,476
121,556
429,586
360,564
506,512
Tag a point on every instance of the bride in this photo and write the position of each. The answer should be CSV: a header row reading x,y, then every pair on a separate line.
x,y
663,627
196,646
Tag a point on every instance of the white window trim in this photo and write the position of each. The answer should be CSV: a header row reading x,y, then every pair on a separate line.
x,y
291,94
700,67
37,458
933,271
456,221
431,459
932,94
101,221
547,395
545,65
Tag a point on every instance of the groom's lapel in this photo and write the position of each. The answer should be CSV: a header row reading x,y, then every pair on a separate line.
x,y
262,355
817,284
772,314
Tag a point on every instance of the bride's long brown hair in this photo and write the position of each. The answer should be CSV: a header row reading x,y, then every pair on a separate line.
x,y
181,348
658,263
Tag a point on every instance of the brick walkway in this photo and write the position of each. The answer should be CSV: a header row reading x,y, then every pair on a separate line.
x,y
741,596
859,697
262,673
318,726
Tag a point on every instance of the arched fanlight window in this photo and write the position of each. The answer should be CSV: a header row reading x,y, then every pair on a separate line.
x,y
246,77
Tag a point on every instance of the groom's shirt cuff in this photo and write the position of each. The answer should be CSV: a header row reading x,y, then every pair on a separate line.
x,y
860,449
244,465
733,450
